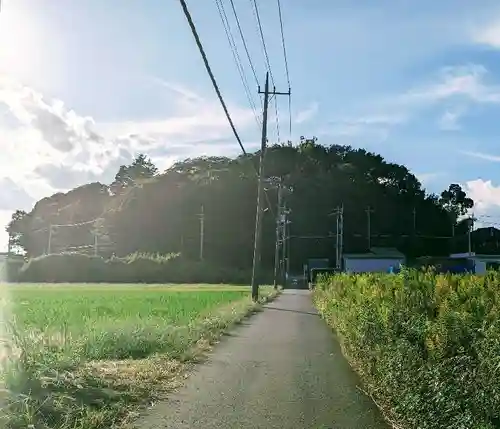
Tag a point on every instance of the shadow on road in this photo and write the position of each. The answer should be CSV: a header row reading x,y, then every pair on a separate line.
x,y
293,311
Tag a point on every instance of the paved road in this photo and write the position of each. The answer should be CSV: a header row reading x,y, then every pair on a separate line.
x,y
282,369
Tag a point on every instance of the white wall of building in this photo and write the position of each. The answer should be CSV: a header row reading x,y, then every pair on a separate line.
x,y
365,265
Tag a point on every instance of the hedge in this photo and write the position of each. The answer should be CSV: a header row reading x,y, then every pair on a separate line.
x,y
136,268
9,269
427,346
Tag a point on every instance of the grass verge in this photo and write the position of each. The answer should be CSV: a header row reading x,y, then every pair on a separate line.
x,y
426,345
68,380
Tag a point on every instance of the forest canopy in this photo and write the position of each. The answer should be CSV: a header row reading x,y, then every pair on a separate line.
x,y
145,210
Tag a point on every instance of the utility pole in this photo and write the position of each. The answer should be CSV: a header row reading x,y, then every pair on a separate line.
x,y
337,241
285,242
469,235
260,190
414,221
369,211
202,231
49,244
341,246
96,251
279,221
288,251
339,235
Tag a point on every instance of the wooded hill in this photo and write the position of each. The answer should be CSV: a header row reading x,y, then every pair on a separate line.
x,y
147,211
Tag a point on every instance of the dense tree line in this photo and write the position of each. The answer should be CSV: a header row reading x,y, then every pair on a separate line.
x,y
144,210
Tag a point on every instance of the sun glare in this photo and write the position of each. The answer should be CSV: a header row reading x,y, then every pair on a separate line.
x,y
19,38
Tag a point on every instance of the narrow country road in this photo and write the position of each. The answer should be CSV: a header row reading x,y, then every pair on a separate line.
x,y
281,369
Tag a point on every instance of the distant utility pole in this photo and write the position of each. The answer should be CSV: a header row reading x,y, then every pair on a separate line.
x,y
288,249
369,211
469,235
279,221
202,231
339,240
341,234
260,190
414,221
285,233
49,244
96,249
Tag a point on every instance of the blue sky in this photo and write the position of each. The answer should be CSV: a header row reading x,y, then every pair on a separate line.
x,y
86,85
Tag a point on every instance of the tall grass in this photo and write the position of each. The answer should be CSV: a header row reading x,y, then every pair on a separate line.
x,y
88,355
426,345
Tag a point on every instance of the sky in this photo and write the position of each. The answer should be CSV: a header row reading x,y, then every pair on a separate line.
x,y
85,86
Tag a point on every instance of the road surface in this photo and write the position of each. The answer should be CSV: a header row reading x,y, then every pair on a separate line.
x,y
282,369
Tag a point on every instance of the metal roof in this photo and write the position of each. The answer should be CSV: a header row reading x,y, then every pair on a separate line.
x,y
377,253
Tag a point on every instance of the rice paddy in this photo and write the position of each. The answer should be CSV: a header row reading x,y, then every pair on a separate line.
x,y
65,337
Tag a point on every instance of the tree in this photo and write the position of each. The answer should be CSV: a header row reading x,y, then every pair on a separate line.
x,y
141,168
16,229
455,201
163,213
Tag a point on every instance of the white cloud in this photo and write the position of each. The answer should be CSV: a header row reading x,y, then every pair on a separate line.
x,y
13,196
486,196
48,147
307,114
488,35
375,126
465,80
179,89
426,178
449,119
66,149
482,155
458,86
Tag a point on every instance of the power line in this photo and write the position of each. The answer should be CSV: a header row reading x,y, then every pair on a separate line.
x,y
217,90
286,70
290,115
236,56
277,118
244,43
266,57
210,73
283,43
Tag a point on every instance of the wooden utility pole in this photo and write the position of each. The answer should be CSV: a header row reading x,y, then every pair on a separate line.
x,y
202,231
260,190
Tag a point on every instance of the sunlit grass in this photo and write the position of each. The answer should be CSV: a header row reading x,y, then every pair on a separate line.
x,y
86,354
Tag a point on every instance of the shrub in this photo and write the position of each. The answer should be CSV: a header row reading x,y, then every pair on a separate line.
x,y
426,345
65,267
134,268
10,270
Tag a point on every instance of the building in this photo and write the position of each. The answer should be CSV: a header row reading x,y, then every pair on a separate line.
x,y
479,263
378,259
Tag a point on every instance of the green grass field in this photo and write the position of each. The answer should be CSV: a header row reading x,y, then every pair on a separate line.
x,y
67,337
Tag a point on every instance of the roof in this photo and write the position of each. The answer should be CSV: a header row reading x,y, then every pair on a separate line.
x,y
377,253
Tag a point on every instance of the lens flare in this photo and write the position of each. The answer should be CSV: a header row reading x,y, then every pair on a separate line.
x,y
5,335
